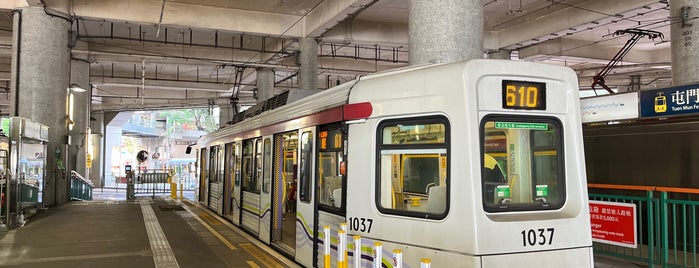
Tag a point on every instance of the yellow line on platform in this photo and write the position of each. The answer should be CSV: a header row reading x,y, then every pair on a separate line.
x,y
253,264
210,219
260,256
219,236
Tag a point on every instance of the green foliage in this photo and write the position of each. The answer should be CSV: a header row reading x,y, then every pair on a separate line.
x,y
189,119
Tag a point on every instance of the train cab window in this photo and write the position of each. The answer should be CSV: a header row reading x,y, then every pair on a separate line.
x,y
412,163
330,167
522,163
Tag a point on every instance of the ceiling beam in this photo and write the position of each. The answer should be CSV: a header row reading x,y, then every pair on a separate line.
x,y
188,15
585,49
565,18
328,14
159,84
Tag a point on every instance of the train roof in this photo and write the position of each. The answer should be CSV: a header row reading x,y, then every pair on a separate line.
x,y
271,112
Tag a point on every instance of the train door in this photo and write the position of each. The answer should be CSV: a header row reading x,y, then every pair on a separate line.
x,y
306,205
252,182
232,182
284,192
216,174
203,176
266,195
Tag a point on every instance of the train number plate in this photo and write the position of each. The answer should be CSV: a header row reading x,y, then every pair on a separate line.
x,y
537,237
359,224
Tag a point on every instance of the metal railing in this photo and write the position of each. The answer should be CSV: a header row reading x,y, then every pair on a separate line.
x,y
80,188
152,182
667,227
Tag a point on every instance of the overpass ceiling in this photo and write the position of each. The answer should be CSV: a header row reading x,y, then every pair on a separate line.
x,y
204,51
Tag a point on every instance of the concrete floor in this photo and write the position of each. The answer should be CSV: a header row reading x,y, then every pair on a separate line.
x,y
110,233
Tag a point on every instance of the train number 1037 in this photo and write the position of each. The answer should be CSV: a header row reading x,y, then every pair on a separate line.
x,y
359,224
539,237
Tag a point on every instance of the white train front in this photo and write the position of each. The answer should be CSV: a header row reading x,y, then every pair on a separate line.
x,y
470,164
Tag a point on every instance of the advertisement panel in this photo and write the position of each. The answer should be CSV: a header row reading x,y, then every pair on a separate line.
x,y
670,101
609,107
613,223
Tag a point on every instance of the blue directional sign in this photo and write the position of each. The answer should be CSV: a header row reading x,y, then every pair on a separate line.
x,y
670,101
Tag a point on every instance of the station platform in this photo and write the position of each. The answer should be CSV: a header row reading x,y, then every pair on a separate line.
x,y
150,232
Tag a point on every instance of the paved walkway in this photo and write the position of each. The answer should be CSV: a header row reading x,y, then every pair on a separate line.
x,y
147,233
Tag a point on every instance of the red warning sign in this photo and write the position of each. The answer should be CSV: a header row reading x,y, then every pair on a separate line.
x,y
613,223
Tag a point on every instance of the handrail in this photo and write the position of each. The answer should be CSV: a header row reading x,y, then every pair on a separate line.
x,y
643,188
80,177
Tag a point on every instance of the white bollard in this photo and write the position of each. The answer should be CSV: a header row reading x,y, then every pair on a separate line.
x,y
397,258
326,244
378,255
357,251
342,249
425,263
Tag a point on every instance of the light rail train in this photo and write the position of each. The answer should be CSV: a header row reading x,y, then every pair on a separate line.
x,y
469,164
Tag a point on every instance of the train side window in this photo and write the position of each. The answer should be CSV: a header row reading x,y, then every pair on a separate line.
x,y
522,163
305,174
412,173
267,173
329,168
213,164
257,178
249,167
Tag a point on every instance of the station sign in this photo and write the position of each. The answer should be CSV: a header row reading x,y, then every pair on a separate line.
x,y
613,223
670,101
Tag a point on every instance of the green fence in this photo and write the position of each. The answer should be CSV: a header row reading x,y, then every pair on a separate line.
x,y
80,188
667,228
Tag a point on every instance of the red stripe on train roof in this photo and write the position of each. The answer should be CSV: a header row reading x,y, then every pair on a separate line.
x,y
355,111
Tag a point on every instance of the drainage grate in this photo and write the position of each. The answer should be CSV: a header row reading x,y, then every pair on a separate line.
x,y
171,208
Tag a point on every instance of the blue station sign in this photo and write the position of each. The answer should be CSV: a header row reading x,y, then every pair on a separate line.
x,y
670,101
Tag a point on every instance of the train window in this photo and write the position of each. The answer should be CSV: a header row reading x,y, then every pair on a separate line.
x,y
249,167
330,161
267,179
216,170
257,179
305,158
412,171
522,163
235,164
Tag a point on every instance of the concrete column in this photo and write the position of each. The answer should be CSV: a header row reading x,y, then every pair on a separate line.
x,y
685,41
308,59
443,31
97,169
225,114
40,80
80,77
265,83
500,55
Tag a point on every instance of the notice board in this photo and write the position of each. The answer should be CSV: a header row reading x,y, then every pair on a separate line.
x,y
613,223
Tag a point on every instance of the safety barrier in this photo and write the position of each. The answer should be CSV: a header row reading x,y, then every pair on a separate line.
x,y
667,228
343,247
152,182
80,188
